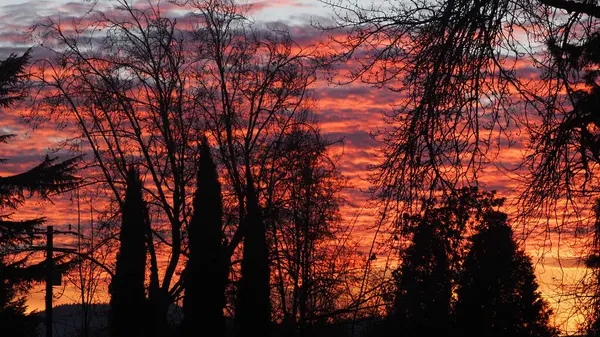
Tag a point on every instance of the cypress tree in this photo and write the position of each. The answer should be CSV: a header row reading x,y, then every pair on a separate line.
x,y
128,299
206,274
497,292
253,307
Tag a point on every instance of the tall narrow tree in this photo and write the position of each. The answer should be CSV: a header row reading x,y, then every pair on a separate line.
x,y
497,292
208,265
253,307
128,299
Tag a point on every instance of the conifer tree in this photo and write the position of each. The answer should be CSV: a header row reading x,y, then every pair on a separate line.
x,y
497,293
253,307
128,299
423,282
49,177
12,78
207,268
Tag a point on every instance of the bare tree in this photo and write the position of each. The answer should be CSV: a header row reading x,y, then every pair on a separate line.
x,y
254,90
460,69
441,58
88,278
143,91
303,215
123,79
457,67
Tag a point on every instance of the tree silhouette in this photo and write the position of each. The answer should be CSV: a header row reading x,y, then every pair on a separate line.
x,y
310,277
128,299
144,92
140,51
431,266
248,118
50,177
591,283
423,283
12,78
253,306
497,292
565,148
457,70
207,269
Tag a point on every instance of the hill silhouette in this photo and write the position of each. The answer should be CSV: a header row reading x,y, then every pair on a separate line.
x,y
67,323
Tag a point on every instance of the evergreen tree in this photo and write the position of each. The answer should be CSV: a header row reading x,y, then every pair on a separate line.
x,y
423,284
127,301
253,307
497,292
427,279
47,178
207,268
12,78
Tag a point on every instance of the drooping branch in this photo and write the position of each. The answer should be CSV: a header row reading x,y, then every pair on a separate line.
x,y
588,8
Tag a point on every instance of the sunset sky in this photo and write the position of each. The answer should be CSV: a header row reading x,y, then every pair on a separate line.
x,y
351,112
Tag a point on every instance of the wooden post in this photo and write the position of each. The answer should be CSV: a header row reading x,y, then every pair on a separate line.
x,y
49,279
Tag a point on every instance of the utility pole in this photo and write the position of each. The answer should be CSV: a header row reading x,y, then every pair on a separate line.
x,y
49,279
53,276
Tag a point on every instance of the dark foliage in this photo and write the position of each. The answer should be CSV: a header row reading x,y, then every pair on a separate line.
x,y
128,299
253,308
447,286
17,274
497,292
47,178
12,79
424,285
14,320
430,265
206,274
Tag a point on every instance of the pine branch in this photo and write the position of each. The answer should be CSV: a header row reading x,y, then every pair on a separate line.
x,y
4,139
16,272
11,78
43,180
14,233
